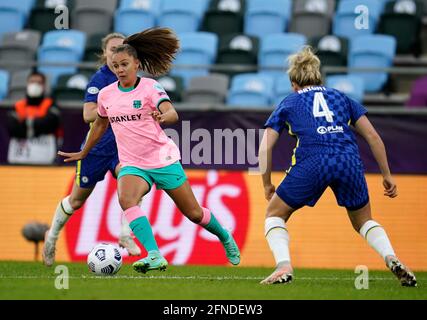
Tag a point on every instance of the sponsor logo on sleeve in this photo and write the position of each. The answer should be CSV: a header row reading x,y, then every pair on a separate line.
x,y
93,90
159,87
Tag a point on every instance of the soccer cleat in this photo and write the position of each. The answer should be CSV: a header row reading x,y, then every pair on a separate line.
x,y
154,261
282,274
48,252
232,250
405,276
130,245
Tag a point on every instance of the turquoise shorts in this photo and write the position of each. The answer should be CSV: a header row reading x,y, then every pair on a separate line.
x,y
166,178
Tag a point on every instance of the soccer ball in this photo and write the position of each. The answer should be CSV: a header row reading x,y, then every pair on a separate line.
x,y
104,259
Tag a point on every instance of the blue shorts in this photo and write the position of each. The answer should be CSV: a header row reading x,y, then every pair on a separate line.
x,y
307,181
93,169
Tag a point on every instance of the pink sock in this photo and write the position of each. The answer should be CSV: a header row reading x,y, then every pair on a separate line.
x,y
206,217
133,213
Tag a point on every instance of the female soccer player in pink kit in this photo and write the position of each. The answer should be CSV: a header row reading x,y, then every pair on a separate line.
x,y
102,158
135,107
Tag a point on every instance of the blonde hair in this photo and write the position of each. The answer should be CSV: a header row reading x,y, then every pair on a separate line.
x,y
102,58
155,48
304,68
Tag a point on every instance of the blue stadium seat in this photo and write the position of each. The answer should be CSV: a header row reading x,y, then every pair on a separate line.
x,y
276,48
136,15
197,48
14,15
71,39
62,46
182,16
205,5
345,20
251,90
266,16
4,84
11,20
372,51
351,85
282,88
22,5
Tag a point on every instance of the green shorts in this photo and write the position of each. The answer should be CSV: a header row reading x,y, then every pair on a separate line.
x,y
167,178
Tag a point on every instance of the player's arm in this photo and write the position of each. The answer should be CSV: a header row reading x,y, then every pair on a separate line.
x,y
367,131
98,129
166,113
90,112
265,156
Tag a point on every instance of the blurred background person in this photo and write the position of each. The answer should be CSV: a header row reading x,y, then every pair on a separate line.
x,y
34,124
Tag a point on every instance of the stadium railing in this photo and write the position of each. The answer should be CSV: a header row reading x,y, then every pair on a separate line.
x,y
395,97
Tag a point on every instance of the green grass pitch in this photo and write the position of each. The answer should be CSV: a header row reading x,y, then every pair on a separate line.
x,y
21,280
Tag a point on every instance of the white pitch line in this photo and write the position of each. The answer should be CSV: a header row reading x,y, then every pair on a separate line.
x,y
231,278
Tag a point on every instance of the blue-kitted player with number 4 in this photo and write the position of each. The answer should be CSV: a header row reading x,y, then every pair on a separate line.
x,y
326,155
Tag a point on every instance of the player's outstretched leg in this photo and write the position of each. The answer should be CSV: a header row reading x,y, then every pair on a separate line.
x,y
377,238
210,223
403,274
141,227
129,244
49,250
277,237
62,215
185,200
283,274
231,250
154,261
126,240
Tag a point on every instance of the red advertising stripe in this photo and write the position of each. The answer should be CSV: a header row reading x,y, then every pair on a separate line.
x,y
180,240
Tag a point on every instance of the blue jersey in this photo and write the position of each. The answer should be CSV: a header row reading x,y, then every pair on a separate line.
x,y
320,119
326,154
102,78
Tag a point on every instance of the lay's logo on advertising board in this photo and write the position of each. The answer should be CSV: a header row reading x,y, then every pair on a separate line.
x,y
180,240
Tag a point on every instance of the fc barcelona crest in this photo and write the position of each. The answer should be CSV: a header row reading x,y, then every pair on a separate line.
x,y
137,104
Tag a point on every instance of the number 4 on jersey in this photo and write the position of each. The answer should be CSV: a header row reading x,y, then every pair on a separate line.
x,y
320,107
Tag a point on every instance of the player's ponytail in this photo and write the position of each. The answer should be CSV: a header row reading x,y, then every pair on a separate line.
x,y
304,68
155,48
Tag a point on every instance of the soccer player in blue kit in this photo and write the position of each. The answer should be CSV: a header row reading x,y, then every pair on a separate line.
x,y
102,158
326,155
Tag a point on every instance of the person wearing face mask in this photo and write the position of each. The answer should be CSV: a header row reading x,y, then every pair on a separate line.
x,y
35,115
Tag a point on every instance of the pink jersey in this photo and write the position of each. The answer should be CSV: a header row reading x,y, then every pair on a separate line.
x,y
141,141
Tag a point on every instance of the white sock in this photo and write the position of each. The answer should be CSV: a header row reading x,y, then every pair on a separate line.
x,y
62,214
377,238
125,230
277,237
